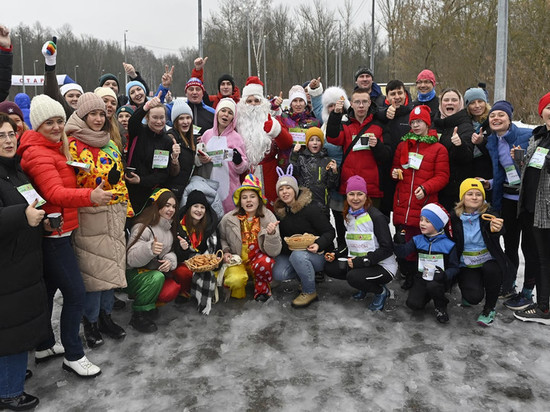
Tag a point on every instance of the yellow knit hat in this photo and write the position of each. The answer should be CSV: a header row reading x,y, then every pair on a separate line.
x,y
315,131
469,184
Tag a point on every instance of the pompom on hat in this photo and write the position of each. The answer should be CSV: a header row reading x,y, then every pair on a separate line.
x,y
250,182
180,107
426,74
315,131
356,184
421,112
470,184
193,81
43,108
436,214
286,179
543,102
253,87
89,102
70,86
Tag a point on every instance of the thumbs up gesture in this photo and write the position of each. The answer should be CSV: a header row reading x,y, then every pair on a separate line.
x,y
477,138
279,100
154,102
390,113
455,138
156,247
99,196
34,216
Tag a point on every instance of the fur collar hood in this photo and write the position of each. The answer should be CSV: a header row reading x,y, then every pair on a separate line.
x,y
304,199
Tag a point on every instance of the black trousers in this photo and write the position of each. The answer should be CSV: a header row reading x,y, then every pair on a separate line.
x,y
369,279
514,227
423,291
542,238
474,283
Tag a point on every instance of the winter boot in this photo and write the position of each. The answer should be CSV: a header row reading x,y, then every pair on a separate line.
x,y
304,300
92,333
142,323
441,315
108,327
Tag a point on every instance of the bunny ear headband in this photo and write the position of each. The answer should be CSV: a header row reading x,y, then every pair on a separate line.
x,y
286,179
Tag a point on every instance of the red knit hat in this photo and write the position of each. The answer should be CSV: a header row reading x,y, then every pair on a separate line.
x,y
543,102
421,112
426,74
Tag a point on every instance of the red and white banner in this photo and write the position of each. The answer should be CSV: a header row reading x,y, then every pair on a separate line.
x,y
17,80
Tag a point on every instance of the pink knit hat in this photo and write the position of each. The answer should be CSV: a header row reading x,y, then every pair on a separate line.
x,y
356,184
426,74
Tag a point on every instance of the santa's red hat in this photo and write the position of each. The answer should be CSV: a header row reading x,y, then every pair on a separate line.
x,y
253,87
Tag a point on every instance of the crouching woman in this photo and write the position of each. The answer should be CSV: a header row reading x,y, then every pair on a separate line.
x,y
250,231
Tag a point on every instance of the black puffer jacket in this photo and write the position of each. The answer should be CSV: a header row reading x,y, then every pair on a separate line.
x,y
304,217
24,315
311,171
186,159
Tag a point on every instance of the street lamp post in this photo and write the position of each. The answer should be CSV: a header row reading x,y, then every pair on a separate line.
x,y
75,78
265,68
125,60
248,44
34,69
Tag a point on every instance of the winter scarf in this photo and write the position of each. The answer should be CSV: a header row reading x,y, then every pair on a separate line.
x,y
411,140
86,138
426,97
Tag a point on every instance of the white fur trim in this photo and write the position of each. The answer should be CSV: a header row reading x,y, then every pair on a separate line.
x,y
297,95
275,129
253,89
316,92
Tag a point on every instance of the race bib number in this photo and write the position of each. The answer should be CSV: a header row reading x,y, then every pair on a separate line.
x,y
538,158
512,175
298,135
430,260
476,259
415,160
30,194
160,159
359,244
363,142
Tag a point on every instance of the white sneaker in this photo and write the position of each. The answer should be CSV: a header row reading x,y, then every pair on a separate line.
x,y
47,354
82,367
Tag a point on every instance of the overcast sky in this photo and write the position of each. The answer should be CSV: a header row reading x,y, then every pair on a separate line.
x,y
163,26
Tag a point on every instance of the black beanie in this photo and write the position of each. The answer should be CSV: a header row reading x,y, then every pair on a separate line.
x,y
108,76
195,197
227,77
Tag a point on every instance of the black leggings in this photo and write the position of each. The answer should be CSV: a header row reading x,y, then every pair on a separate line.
x,y
475,283
422,291
542,238
515,226
369,279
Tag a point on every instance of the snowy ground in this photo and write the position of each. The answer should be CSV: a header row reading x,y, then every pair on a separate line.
x,y
333,356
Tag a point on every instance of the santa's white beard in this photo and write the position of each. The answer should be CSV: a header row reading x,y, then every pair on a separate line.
x,y
250,125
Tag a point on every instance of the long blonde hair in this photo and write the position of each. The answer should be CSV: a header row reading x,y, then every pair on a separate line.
x,y
483,116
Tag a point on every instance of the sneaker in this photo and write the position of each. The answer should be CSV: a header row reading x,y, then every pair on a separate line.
x,y
44,355
92,334
507,294
486,318
380,300
108,327
518,302
359,295
534,314
142,323
82,367
304,299
22,402
441,315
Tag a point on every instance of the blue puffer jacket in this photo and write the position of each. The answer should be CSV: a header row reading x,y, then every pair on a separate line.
x,y
516,136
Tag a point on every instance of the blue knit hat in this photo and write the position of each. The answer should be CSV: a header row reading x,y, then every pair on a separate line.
x,y
436,214
132,84
474,93
504,106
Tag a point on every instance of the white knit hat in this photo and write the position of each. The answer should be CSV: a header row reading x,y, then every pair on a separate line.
x,y
70,86
43,108
227,102
297,92
105,91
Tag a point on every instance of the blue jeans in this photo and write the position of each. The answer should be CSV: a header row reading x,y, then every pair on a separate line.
x,y
301,264
61,272
12,374
96,301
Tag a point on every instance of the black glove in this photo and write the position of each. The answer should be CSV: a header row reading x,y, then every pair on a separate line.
x,y
399,238
360,262
114,175
548,162
439,275
237,158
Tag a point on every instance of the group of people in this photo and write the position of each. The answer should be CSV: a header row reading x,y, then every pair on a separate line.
x,y
106,192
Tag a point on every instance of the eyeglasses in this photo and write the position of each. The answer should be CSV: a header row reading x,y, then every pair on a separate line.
x,y
4,136
423,82
361,102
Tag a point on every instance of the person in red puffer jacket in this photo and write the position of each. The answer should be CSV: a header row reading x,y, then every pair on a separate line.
x,y
44,155
421,167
